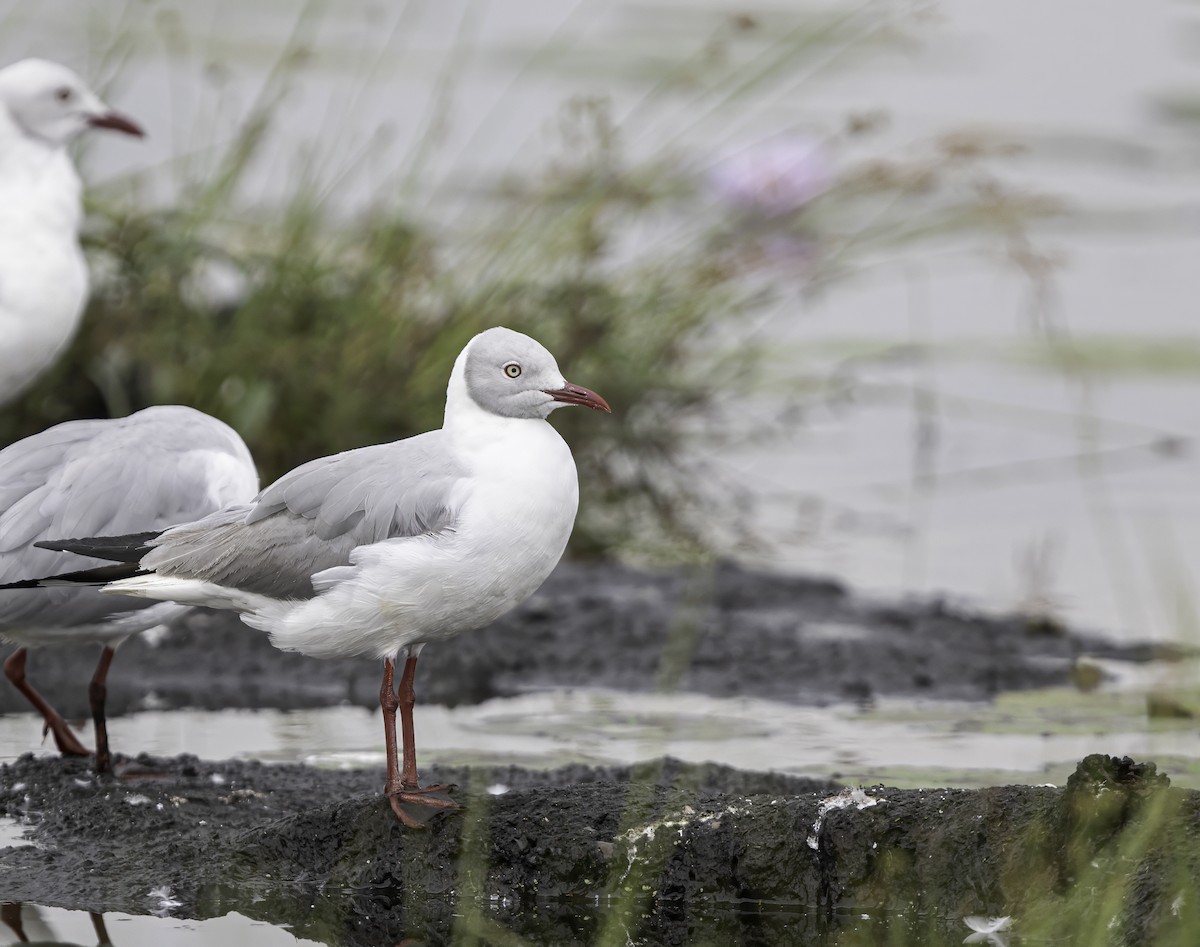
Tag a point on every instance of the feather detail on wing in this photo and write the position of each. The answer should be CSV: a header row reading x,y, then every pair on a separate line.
x,y
311,519
158,467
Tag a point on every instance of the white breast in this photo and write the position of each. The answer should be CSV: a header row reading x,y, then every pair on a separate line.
x,y
515,517
43,274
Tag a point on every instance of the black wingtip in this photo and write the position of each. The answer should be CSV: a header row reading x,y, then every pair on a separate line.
x,y
129,548
23,584
101,575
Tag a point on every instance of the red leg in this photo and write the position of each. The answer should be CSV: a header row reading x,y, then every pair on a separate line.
x,y
408,698
388,704
10,913
101,931
64,739
404,789
97,694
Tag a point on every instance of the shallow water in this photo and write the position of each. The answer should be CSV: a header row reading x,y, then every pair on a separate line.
x,y
1033,737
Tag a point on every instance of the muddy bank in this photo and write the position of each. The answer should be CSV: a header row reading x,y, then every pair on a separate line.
x,y
726,631
554,857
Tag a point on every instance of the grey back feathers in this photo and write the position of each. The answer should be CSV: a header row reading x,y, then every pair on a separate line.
x,y
507,374
311,518
148,471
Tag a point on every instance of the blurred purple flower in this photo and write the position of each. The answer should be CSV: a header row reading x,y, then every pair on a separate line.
x,y
775,178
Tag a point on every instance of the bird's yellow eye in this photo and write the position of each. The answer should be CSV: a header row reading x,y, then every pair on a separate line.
x,y
512,370
63,93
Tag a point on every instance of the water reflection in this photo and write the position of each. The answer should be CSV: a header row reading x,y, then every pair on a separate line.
x,y
24,923
35,924
327,920
357,919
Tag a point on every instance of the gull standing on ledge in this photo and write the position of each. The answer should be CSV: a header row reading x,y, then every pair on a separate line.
x,y
144,472
43,276
383,549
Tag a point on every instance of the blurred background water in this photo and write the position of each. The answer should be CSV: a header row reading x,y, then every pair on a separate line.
x,y
1012,423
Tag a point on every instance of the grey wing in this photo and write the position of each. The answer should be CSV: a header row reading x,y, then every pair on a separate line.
x,y
146,472
311,518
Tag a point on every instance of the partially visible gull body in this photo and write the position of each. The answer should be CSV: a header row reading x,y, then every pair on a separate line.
x,y
143,472
43,276
381,550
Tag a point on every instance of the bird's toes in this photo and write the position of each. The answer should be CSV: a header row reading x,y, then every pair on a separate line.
x,y
414,808
440,790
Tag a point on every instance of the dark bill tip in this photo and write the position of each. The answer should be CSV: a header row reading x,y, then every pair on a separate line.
x,y
117,122
577,394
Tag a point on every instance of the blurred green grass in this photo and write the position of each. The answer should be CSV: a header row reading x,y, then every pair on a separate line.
x,y
339,332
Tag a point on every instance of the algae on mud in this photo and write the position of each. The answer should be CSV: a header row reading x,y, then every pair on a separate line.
x,y
656,850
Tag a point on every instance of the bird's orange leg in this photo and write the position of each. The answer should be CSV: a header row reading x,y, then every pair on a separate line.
x,y
403,788
97,694
66,741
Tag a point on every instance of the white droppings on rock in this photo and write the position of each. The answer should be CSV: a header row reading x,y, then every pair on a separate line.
x,y
167,902
843,800
241,795
678,822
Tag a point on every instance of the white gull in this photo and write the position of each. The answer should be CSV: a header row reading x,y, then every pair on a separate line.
x,y
381,550
43,276
140,473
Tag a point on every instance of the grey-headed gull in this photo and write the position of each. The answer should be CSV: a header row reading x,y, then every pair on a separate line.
x,y
381,550
147,471
43,276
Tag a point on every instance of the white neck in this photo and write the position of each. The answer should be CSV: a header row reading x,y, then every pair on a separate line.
x,y
43,275
464,417
38,182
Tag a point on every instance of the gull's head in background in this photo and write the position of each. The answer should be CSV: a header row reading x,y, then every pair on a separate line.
x,y
511,375
49,102
43,274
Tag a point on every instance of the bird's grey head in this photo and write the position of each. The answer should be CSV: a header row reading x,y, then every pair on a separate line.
x,y
510,374
49,102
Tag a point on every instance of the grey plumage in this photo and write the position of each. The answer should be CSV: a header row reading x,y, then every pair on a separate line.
x,y
311,518
491,383
160,466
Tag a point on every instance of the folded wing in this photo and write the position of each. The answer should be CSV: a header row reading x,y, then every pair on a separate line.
x,y
310,519
88,478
